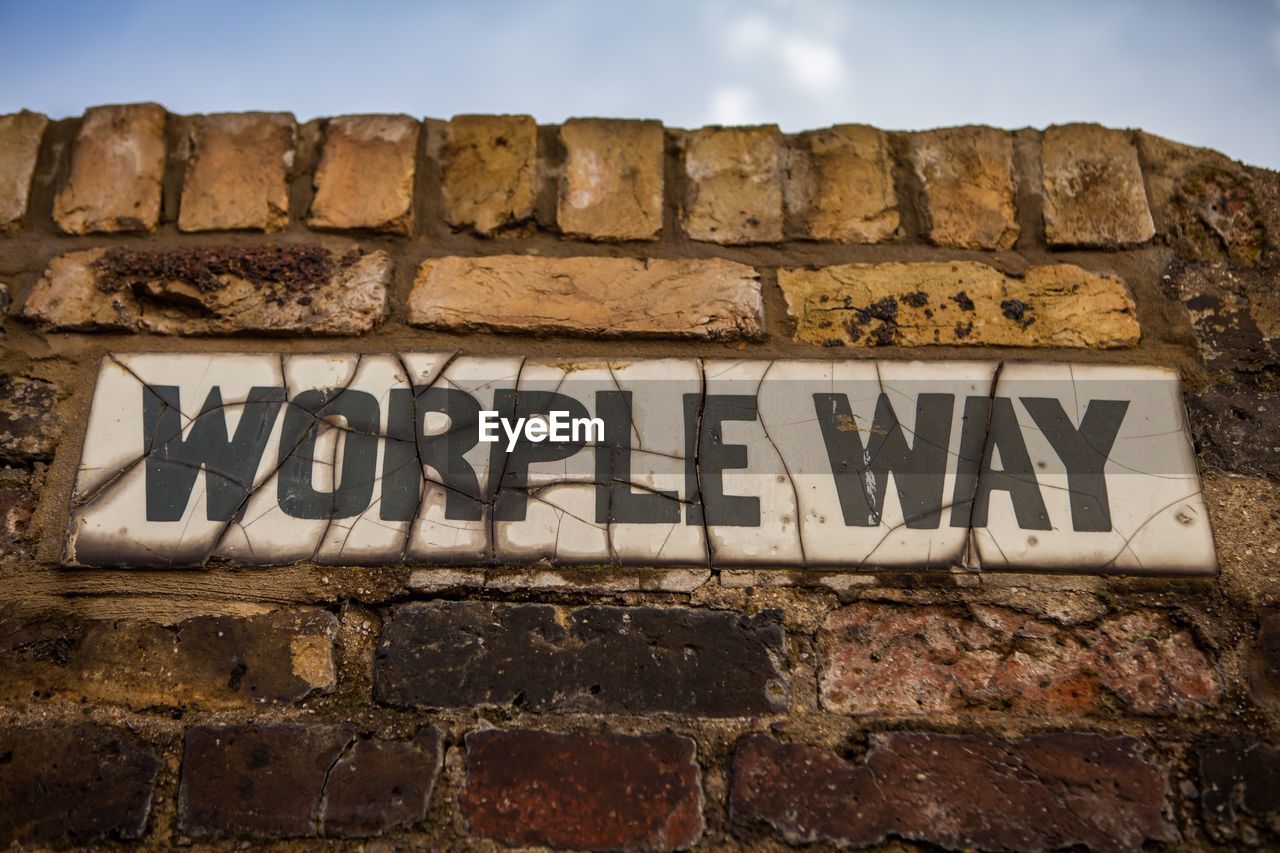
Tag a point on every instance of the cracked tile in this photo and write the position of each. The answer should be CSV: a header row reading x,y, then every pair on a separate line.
x,y
826,466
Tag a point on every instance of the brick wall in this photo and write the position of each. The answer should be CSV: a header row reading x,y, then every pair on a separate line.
x,y
636,708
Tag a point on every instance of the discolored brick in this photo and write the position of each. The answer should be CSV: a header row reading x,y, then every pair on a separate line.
x,y
840,186
966,174
583,791
366,173
262,780
611,182
598,297
1240,790
733,185
29,429
117,166
75,784
205,661
488,168
1045,792
380,785
890,659
634,660
20,137
19,494
219,290
1093,192
1262,666
237,176
958,303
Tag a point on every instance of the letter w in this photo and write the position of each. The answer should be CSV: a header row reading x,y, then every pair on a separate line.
x,y
862,472
173,462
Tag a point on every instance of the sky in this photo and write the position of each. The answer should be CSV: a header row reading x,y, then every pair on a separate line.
x,y
1205,73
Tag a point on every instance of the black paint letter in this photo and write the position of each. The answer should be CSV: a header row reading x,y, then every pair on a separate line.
x,y
980,440
1083,453
353,489
707,457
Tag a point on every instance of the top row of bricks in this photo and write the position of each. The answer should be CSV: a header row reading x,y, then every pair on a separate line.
x,y
742,185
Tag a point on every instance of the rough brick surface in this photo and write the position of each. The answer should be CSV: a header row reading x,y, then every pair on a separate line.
x,y
611,183
1204,203
381,785
733,189
73,784
1240,791
117,166
212,291
583,791
366,172
840,187
889,659
18,498
29,430
966,174
1093,192
266,780
237,177
610,297
206,661
1263,662
963,302
20,136
956,791
639,660
488,169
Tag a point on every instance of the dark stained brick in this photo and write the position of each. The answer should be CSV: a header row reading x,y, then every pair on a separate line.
x,y
591,659
17,505
73,784
1263,663
583,791
206,661
1043,793
1240,790
28,430
379,785
263,780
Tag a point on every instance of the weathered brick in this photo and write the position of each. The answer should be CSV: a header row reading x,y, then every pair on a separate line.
x,y
117,166
73,784
734,185
379,785
611,185
583,791
29,430
213,291
1263,663
266,780
366,172
967,177
891,659
1202,202
960,302
1240,791
1093,192
635,660
206,661
599,297
18,498
840,185
1046,792
488,169
20,136
237,177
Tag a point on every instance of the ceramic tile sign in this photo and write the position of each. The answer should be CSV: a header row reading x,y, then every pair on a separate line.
x,y
439,458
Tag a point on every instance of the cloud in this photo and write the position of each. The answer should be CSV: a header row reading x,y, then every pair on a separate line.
x,y
732,105
812,65
809,62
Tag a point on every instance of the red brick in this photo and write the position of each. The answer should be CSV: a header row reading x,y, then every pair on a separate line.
x,y
117,167
583,791
890,659
379,785
1046,792
73,784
